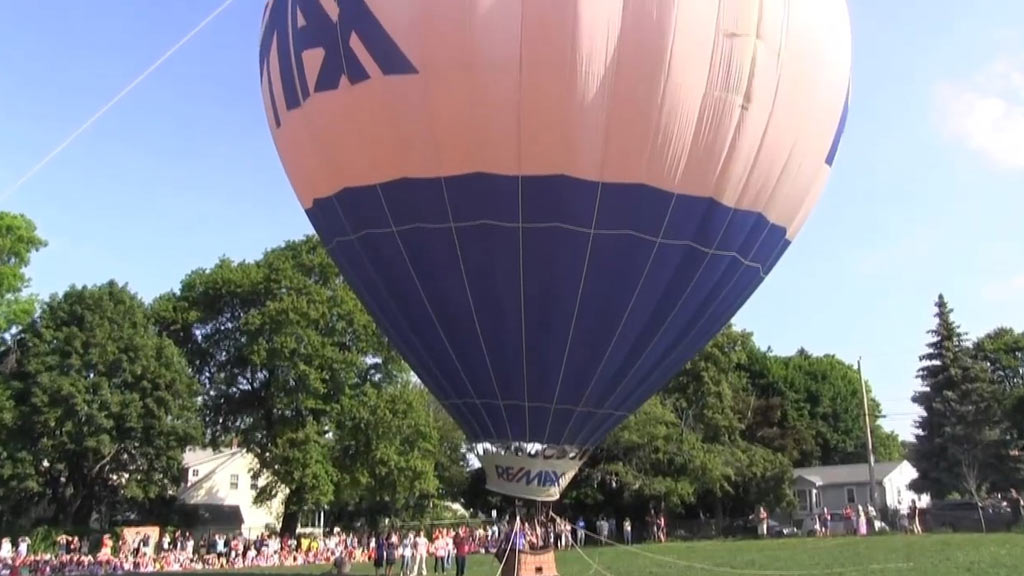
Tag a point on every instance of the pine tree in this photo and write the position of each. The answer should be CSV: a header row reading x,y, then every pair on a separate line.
x,y
936,376
960,439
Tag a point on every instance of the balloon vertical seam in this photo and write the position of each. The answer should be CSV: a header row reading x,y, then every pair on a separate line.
x,y
609,94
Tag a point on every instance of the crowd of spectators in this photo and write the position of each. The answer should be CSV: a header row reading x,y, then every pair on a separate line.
x,y
395,551
180,551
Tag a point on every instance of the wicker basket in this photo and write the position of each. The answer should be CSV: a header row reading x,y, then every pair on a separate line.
x,y
531,563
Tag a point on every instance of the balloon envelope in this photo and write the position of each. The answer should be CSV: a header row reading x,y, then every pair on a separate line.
x,y
550,206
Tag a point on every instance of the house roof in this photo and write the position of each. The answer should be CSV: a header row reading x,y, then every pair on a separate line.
x,y
196,456
845,473
228,457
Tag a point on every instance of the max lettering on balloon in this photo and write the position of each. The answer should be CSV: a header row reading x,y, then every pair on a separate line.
x,y
523,475
292,27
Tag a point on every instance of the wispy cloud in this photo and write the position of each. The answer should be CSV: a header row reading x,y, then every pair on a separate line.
x,y
986,113
1005,289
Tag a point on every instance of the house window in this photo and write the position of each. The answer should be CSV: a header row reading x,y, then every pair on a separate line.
x,y
851,495
817,500
234,482
254,483
801,500
311,519
195,472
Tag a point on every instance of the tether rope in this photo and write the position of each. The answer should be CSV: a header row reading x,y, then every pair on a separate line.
x,y
728,570
515,528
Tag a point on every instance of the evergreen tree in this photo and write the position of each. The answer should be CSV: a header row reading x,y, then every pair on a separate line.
x,y
961,438
934,475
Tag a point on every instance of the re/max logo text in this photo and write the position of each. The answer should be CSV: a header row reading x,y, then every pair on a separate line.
x,y
293,27
528,477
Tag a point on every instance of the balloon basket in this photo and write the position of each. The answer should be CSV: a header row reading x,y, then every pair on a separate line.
x,y
531,563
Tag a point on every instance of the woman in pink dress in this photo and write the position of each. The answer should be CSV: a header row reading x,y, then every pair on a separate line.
x,y
106,547
862,521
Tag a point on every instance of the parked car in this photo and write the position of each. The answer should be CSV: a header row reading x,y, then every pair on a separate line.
x,y
747,528
963,516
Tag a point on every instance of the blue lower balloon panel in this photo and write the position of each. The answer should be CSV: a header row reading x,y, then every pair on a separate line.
x,y
544,308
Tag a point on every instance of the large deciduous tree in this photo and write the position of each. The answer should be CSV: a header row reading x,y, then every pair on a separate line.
x,y
1002,352
105,406
644,461
810,408
775,416
18,241
827,394
709,396
279,346
394,452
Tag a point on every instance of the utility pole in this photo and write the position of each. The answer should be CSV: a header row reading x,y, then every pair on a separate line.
x,y
867,433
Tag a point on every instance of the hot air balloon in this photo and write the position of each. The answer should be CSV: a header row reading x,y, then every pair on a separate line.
x,y
549,207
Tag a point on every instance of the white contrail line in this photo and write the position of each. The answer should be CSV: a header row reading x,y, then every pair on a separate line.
x,y
42,163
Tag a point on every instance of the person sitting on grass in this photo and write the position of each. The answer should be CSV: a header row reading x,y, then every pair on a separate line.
x,y
343,563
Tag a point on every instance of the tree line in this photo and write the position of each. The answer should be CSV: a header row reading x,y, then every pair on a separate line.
x,y
101,392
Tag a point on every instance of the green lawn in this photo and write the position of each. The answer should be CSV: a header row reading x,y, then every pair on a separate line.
x,y
927,555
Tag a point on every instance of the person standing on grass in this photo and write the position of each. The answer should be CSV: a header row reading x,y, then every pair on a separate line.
x,y
6,549
439,552
1016,508
913,518
581,532
862,521
391,553
449,548
461,544
420,555
379,553
407,546
22,551
627,531
762,522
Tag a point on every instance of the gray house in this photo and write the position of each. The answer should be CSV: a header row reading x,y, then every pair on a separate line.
x,y
833,487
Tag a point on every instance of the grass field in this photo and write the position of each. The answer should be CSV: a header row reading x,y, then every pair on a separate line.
x,y
927,555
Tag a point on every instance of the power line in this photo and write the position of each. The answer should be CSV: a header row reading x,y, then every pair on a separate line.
x,y
46,160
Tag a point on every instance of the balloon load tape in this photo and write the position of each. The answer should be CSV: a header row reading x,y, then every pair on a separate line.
x,y
539,475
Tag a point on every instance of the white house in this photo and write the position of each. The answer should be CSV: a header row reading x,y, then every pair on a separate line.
x,y
833,487
218,490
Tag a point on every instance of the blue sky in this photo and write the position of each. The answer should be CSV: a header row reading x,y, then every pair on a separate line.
x,y
926,195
